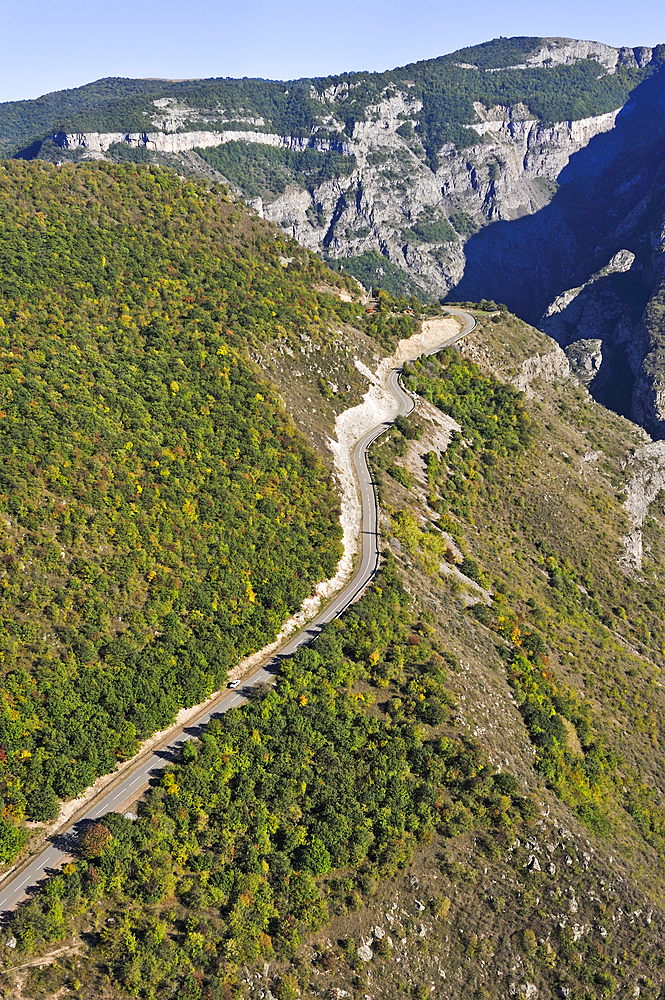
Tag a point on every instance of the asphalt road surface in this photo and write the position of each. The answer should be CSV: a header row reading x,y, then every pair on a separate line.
x,y
125,790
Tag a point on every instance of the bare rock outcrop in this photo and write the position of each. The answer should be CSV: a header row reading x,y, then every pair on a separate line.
x,y
564,51
180,142
648,479
550,367
585,358
438,429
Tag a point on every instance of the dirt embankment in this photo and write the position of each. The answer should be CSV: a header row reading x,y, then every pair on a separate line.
x,y
378,405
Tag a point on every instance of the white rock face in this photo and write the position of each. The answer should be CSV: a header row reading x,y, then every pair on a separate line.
x,y
592,322
550,367
365,953
171,115
531,134
527,991
565,51
181,142
510,173
648,479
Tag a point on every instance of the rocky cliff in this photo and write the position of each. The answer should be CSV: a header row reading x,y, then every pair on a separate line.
x,y
397,202
620,303
529,171
181,142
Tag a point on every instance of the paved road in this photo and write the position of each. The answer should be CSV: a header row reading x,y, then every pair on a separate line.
x,y
127,786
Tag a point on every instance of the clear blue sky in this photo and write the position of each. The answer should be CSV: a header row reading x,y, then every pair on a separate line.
x,y
52,44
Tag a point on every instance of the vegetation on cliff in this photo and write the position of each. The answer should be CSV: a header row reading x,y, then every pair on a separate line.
x,y
265,171
493,419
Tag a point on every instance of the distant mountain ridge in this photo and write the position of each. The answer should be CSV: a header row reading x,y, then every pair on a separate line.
x,y
334,104
513,170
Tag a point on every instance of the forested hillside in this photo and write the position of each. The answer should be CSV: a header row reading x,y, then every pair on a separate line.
x,y
160,515
457,790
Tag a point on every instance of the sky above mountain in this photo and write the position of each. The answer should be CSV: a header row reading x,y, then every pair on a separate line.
x,y
66,43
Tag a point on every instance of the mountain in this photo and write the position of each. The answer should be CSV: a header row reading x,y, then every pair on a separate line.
x,y
458,788
514,170
556,80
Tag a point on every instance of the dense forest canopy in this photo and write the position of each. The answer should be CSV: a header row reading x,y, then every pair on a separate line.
x,y
285,809
160,516
373,270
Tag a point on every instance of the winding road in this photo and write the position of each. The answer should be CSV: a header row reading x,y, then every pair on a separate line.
x,y
125,789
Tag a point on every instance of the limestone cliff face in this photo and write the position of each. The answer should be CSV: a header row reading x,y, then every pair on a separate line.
x,y
509,174
551,367
590,322
583,313
181,142
647,466
564,51
390,200
563,222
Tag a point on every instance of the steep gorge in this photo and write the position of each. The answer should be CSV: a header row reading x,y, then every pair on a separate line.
x,y
461,177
